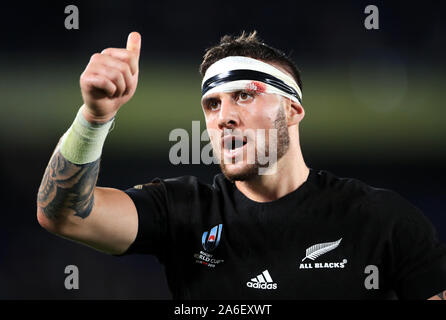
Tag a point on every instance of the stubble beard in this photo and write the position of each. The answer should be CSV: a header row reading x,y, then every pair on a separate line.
x,y
251,171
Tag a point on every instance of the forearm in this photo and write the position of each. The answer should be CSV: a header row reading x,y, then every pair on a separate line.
x,y
67,189
70,205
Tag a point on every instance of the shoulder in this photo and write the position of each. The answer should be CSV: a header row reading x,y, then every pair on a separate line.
x,y
366,198
346,187
182,186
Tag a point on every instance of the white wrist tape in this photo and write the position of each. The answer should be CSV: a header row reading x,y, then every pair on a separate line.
x,y
83,142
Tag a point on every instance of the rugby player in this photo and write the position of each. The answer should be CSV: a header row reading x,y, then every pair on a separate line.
x,y
291,232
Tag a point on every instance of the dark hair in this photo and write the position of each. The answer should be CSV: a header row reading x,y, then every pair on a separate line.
x,y
248,45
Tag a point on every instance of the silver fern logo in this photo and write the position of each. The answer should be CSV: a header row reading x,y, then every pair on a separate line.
x,y
319,249
315,251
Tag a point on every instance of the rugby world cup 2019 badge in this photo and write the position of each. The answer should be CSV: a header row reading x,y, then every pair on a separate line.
x,y
209,241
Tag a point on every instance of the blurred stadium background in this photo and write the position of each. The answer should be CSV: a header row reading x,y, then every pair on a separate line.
x,y
374,104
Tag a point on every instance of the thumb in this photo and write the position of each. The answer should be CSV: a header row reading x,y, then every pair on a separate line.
x,y
134,42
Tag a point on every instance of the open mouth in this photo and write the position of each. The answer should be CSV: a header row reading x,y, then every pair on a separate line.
x,y
233,142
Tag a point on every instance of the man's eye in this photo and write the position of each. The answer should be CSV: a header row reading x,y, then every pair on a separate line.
x,y
244,96
213,105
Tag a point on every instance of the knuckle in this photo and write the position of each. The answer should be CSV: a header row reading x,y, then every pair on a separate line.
x,y
106,51
95,56
84,77
98,80
125,68
130,55
120,66
91,81
126,57
114,74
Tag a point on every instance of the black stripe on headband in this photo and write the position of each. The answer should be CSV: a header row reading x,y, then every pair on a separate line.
x,y
243,74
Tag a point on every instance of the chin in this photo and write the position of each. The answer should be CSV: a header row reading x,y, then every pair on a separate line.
x,y
245,172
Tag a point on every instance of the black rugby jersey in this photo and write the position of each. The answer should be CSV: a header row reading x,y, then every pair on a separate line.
x,y
332,238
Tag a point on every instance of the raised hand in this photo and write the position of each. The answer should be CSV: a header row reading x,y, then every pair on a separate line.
x,y
110,80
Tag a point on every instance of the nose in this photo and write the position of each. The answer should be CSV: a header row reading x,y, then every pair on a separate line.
x,y
228,116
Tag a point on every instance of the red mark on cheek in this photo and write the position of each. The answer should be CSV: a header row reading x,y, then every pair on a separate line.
x,y
256,86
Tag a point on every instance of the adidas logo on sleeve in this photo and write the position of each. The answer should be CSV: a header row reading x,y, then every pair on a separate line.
x,y
262,281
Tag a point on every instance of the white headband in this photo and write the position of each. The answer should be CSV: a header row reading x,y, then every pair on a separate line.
x,y
239,73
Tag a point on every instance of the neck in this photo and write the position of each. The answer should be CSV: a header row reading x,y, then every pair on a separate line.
x,y
291,173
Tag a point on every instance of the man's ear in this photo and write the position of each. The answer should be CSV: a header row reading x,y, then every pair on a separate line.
x,y
295,112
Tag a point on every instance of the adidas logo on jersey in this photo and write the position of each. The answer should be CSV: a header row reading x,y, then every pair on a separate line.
x,y
262,281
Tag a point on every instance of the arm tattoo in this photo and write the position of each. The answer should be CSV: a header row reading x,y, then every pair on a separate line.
x,y
67,188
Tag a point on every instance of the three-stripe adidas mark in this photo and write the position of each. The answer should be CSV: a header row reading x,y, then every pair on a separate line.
x,y
262,281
